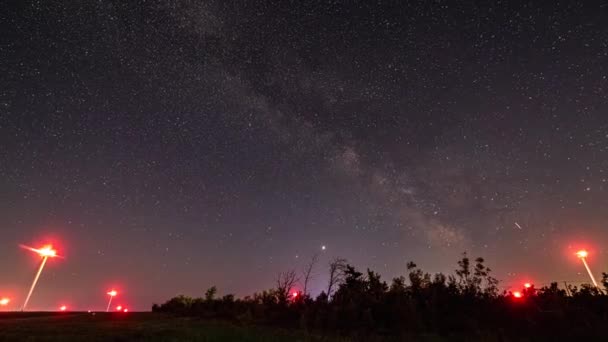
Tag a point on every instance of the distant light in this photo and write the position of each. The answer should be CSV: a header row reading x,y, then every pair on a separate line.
x,y
113,293
45,252
126,310
63,308
582,253
295,294
323,248
517,294
4,301
527,285
118,308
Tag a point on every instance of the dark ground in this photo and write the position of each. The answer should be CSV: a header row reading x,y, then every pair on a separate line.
x,y
78,326
146,326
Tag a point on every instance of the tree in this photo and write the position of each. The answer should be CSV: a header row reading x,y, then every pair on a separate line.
x,y
418,279
285,282
210,293
398,285
363,305
464,272
481,274
605,281
307,272
354,286
375,287
177,304
336,274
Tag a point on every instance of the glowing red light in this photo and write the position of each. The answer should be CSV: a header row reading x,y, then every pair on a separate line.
x,y
517,294
118,308
4,301
45,252
582,253
63,308
295,294
527,285
126,310
112,293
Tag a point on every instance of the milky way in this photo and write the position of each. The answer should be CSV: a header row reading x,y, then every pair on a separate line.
x,y
167,146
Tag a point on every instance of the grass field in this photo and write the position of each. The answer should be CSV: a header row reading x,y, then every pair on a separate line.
x,y
131,327
146,326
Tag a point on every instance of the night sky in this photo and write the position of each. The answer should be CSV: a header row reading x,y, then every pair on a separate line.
x,y
167,146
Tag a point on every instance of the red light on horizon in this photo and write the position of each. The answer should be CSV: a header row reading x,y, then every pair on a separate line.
x,y
119,308
4,301
517,294
527,285
112,293
63,308
295,294
125,310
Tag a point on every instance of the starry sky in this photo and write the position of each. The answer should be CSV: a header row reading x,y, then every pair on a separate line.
x,y
167,146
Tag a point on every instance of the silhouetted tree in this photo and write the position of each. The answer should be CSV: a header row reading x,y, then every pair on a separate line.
x,y
336,274
481,276
285,283
210,293
307,272
398,285
418,279
464,274
464,305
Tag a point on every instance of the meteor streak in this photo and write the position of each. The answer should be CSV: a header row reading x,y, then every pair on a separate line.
x,y
45,253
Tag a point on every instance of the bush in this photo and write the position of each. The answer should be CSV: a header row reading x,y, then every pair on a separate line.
x,y
467,302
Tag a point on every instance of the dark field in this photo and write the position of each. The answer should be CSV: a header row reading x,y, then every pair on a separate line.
x,y
131,327
146,326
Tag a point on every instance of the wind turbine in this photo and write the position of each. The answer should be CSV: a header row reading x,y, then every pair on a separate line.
x,y
45,253
112,294
582,254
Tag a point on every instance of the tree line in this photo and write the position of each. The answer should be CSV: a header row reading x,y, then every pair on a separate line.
x,y
459,305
